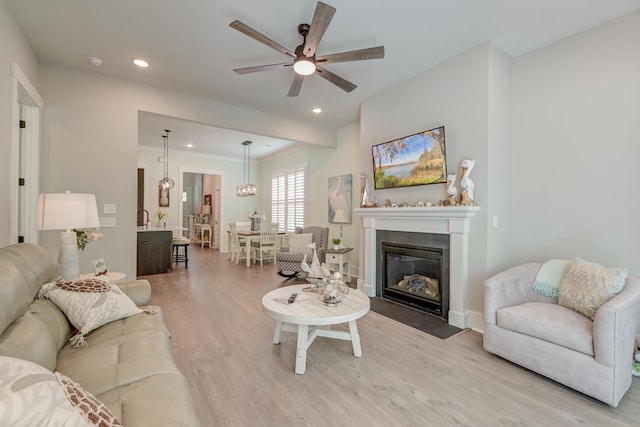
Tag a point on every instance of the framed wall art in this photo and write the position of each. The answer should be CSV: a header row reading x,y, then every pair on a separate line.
x,y
163,197
340,199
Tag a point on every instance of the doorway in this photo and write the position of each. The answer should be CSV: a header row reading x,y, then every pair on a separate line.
x,y
202,200
24,155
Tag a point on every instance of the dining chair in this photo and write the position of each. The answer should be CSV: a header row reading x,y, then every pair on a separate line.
x,y
238,247
268,225
267,245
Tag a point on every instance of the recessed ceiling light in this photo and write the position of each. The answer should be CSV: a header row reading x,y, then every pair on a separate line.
x,y
189,145
317,110
267,145
94,60
140,62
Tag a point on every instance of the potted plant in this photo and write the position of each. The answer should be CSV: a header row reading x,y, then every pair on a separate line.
x,y
336,243
160,215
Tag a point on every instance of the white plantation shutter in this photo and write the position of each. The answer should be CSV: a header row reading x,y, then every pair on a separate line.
x,y
288,198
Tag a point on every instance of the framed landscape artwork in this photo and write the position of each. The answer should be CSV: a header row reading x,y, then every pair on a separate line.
x,y
417,159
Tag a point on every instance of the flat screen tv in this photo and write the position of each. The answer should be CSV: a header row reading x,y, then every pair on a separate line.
x,y
417,159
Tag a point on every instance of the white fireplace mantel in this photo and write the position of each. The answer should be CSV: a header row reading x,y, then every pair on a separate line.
x,y
451,220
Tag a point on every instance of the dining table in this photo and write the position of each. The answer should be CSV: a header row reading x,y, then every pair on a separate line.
x,y
249,235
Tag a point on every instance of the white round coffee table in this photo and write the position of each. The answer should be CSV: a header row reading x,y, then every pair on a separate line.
x,y
308,311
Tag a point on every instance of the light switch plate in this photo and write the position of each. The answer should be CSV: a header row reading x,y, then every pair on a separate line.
x,y
109,208
107,221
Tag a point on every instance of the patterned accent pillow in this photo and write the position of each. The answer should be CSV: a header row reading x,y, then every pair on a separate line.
x,y
298,243
587,286
86,404
89,304
31,395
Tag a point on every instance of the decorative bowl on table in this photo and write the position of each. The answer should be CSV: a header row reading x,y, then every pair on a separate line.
x,y
333,290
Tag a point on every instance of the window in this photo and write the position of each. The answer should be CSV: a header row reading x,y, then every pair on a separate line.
x,y
288,198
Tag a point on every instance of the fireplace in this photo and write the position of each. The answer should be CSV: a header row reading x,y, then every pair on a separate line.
x,y
449,222
414,270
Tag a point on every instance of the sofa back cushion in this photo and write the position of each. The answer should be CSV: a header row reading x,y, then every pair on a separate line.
x,y
23,269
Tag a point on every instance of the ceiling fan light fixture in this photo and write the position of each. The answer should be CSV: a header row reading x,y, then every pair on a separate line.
x,y
304,66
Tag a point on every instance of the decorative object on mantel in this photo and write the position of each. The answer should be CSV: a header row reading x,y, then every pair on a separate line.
x,y
333,290
466,184
452,191
368,198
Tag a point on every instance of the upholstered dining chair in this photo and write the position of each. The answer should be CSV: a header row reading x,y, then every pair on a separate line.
x,y
238,247
288,263
265,247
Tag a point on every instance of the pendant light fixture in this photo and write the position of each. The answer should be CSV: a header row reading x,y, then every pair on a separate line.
x,y
246,189
166,182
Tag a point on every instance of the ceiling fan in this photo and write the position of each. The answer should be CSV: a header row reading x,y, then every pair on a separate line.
x,y
304,57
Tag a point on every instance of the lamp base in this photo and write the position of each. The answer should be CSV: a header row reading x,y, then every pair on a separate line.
x,y
68,257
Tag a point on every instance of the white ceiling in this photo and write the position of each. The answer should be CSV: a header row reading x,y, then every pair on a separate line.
x,y
192,49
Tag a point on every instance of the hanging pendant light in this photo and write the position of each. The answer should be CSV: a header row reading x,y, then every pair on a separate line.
x,y
166,182
246,189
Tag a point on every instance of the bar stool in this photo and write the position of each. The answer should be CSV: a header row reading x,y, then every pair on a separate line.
x,y
177,243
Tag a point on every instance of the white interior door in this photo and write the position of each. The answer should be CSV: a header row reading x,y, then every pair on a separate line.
x,y
24,154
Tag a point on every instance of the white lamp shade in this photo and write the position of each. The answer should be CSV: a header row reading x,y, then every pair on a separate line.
x,y
341,217
64,211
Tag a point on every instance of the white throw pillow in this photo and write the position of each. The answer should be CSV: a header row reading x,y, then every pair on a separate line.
x,y
298,243
31,395
89,304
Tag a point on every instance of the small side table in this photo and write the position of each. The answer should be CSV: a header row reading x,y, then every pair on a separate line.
x,y
112,276
337,256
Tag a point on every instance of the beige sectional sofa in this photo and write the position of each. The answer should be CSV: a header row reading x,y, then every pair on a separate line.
x,y
126,364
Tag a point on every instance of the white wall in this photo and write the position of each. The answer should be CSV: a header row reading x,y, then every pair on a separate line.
x,y
453,94
555,138
576,133
323,163
90,128
13,47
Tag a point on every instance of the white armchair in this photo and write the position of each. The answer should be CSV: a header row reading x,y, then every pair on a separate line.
x,y
532,330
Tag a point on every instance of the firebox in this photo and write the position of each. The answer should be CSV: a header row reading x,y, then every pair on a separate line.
x,y
414,271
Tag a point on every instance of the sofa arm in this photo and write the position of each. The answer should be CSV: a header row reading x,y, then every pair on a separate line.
x,y
138,290
615,325
510,287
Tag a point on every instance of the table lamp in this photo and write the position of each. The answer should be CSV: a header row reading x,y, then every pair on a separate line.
x,y
341,217
66,211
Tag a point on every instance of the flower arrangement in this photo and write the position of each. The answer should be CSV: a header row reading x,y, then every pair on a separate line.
x,y
160,215
86,235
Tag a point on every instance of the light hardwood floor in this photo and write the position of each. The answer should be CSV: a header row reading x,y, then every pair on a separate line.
x,y
222,343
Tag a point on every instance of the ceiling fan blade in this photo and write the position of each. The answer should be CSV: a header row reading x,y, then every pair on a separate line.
x,y
245,29
343,84
248,70
321,19
353,55
294,90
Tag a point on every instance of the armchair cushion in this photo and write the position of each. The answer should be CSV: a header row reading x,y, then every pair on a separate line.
x,y
553,323
299,242
587,286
